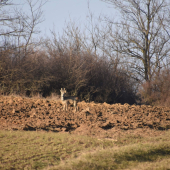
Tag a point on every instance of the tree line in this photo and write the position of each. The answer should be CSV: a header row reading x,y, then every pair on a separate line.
x,y
115,62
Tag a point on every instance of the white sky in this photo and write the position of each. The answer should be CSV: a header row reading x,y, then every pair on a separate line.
x,y
59,12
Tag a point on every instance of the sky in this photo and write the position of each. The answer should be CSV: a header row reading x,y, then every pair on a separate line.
x,y
57,13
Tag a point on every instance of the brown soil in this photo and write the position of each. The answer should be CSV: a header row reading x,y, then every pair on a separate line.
x,y
101,120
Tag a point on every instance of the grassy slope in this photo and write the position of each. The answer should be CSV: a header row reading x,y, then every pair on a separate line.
x,y
42,150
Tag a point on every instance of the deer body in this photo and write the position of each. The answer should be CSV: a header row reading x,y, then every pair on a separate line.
x,y
69,99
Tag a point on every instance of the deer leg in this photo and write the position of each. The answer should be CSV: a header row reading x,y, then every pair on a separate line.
x,y
75,105
66,104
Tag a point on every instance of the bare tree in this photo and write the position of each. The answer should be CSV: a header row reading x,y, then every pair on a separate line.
x,y
17,25
16,40
69,59
142,33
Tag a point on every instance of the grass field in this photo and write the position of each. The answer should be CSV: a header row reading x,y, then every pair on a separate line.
x,y
47,150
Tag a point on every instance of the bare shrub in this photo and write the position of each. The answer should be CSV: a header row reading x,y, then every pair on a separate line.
x,y
157,91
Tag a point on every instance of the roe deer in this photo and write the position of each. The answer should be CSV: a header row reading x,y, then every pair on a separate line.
x,y
69,99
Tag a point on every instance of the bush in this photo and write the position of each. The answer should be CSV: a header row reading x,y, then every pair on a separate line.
x,y
157,91
62,64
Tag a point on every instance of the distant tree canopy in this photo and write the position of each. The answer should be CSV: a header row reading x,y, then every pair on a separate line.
x,y
104,63
142,35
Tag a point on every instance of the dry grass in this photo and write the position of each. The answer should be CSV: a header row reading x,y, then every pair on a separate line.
x,y
145,155
36,150
42,150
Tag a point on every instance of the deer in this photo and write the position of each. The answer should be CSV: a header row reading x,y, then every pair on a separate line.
x,y
68,99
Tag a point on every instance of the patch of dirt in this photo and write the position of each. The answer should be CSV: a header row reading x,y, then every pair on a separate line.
x,y
99,120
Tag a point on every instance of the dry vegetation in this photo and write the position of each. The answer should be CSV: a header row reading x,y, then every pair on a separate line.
x,y
98,136
103,63
111,63
102,120
41,150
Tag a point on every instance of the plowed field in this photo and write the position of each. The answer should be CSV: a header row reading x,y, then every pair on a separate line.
x,y
99,120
